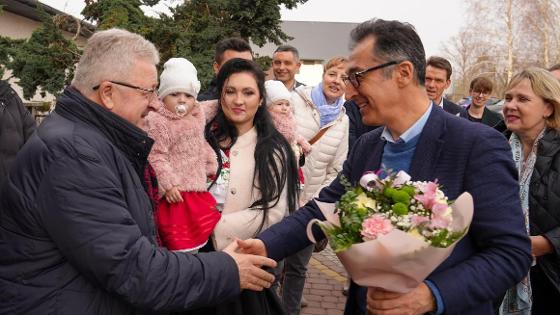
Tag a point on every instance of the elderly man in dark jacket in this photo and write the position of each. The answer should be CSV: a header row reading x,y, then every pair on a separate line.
x,y
76,228
16,126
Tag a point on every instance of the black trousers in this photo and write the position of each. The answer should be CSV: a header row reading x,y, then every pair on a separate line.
x,y
356,303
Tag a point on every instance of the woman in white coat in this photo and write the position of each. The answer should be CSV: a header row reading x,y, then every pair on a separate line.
x,y
321,120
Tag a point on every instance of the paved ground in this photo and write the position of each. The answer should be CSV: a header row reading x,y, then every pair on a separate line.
x,y
323,288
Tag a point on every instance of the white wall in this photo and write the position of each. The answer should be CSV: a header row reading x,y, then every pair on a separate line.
x,y
310,74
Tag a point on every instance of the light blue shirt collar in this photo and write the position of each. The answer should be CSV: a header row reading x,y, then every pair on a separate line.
x,y
411,132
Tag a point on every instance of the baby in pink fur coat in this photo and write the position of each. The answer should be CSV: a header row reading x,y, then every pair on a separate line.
x,y
182,159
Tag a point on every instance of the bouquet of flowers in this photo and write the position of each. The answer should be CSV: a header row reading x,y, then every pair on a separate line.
x,y
392,233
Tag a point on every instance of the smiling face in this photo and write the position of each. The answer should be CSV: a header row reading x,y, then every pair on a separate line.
x,y
376,93
524,111
285,66
240,100
479,98
130,103
333,83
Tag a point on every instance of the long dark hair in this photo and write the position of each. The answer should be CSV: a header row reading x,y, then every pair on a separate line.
x,y
275,164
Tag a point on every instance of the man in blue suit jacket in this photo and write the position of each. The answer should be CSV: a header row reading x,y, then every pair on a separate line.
x,y
385,80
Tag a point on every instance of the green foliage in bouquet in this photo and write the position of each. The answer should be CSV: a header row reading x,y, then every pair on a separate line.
x,y
444,238
351,216
396,203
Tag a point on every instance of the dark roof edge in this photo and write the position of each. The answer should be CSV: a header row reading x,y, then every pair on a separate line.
x,y
28,9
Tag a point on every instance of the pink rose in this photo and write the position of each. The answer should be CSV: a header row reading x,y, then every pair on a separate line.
x,y
375,226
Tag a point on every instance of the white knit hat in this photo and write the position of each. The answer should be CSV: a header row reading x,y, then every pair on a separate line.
x,y
275,91
179,75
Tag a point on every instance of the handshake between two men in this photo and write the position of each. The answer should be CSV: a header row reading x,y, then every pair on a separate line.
x,y
250,255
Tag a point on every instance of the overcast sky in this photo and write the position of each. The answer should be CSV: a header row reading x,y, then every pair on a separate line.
x,y
435,20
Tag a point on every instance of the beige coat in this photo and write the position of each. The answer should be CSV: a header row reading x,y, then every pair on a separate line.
x,y
324,162
238,220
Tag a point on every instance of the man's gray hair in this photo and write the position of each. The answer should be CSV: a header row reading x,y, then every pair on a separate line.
x,y
111,55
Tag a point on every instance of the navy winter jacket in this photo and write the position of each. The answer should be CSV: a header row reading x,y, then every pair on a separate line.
x,y
76,229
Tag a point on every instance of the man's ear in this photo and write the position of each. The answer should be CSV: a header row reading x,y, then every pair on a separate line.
x,y
216,67
404,73
105,94
447,84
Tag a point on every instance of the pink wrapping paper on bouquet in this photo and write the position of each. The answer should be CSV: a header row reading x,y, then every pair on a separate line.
x,y
398,261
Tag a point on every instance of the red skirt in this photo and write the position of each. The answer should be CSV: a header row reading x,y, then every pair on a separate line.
x,y
187,225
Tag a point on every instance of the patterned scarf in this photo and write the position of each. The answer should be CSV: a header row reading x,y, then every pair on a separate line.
x,y
518,300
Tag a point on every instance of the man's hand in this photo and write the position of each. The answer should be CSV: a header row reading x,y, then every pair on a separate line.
x,y
173,195
252,246
418,301
251,276
540,245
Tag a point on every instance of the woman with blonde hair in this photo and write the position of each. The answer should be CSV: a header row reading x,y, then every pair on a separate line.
x,y
532,114
321,119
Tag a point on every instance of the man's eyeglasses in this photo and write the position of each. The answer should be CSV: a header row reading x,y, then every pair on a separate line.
x,y
148,93
355,77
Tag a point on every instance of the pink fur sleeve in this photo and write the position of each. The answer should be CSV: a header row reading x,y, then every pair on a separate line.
x,y
210,109
159,156
305,146
211,160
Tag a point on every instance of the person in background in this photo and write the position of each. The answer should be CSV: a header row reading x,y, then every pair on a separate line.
x,y
77,234
182,160
438,79
285,66
226,49
321,119
532,113
480,90
258,171
16,126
